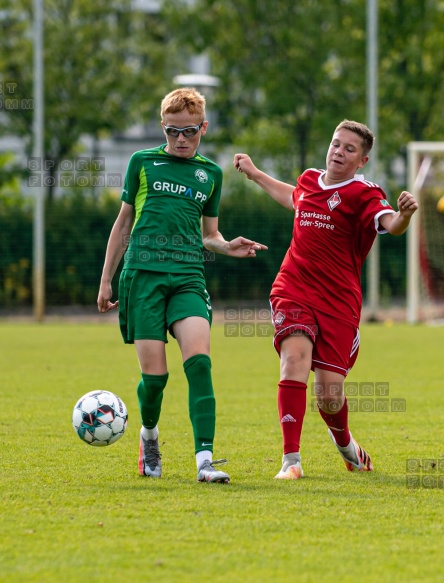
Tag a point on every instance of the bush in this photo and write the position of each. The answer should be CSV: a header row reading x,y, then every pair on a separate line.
x,y
77,230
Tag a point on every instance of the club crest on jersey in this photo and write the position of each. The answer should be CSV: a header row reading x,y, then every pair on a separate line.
x,y
334,200
201,175
279,318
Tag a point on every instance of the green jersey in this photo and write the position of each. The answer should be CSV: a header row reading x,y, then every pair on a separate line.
x,y
170,194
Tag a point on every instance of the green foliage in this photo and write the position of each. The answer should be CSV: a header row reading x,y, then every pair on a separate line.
x,y
105,68
15,250
71,511
301,66
10,175
411,70
287,64
77,231
289,72
78,227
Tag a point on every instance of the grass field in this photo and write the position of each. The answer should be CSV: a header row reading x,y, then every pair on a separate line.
x,y
71,512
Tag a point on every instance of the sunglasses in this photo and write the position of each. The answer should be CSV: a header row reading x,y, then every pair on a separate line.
x,y
188,132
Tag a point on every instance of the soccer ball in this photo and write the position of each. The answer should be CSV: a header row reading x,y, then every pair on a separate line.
x,y
100,418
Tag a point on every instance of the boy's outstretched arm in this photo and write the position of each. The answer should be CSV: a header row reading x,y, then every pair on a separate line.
x,y
397,223
213,240
280,191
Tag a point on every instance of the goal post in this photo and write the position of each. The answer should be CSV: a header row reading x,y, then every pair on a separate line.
x,y
425,161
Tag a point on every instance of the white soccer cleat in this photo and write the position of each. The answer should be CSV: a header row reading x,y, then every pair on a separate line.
x,y
150,463
291,468
208,473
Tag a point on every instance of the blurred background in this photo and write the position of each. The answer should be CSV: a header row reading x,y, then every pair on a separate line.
x,y
278,75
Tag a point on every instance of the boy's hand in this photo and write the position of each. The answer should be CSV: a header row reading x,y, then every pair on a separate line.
x,y
407,204
241,247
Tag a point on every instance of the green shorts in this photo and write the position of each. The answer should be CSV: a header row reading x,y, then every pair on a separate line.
x,y
150,302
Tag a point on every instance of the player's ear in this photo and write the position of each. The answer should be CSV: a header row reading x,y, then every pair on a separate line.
x,y
363,162
204,127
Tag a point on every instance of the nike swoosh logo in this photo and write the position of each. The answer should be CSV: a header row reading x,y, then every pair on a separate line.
x,y
206,444
159,163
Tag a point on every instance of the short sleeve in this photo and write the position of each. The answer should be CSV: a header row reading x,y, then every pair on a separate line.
x,y
211,207
132,179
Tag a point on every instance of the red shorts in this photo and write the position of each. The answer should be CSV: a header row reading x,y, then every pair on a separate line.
x,y
335,342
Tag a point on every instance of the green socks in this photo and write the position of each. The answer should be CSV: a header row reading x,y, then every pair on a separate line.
x,y
201,401
150,394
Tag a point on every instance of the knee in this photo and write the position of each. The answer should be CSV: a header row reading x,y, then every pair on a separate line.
x,y
152,385
294,363
197,366
329,401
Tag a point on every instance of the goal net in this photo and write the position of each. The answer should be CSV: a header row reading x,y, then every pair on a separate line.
x,y
425,239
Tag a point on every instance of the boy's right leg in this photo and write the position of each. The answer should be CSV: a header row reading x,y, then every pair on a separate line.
x,y
295,353
292,398
150,395
152,359
142,307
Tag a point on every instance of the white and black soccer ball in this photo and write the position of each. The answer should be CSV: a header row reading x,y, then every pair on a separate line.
x,y
100,418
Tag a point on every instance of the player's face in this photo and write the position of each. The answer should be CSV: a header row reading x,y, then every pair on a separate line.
x,y
183,145
344,156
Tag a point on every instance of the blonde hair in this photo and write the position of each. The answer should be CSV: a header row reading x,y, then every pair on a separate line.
x,y
184,98
363,132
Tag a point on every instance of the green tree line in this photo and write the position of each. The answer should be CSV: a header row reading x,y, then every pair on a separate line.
x,y
78,228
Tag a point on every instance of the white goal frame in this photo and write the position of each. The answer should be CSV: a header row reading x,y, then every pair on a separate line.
x,y
417,172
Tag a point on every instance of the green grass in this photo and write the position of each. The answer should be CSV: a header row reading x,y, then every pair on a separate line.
x,y
70,512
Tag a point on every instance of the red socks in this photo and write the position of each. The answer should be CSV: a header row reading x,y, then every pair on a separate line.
x,y
338,424
292,403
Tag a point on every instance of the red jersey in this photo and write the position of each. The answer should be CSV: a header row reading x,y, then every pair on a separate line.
x,y
334,229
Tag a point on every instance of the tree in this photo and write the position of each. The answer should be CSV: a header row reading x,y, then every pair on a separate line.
x,y
287,71
291,71
105,68
411,71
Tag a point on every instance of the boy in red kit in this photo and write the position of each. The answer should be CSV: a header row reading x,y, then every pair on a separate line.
x,y
316,298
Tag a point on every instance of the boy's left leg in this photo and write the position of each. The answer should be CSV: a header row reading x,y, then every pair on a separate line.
x,y
193,336
202,410
334,355
333,408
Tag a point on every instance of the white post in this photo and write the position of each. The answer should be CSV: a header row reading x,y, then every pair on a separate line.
x,y
412,243
38,152
373,275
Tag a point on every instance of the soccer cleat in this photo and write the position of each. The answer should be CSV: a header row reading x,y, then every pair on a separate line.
x,y
291,468
150,463
355,458
208,473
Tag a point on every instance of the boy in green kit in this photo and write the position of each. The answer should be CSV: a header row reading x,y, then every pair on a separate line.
x,y
167,224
